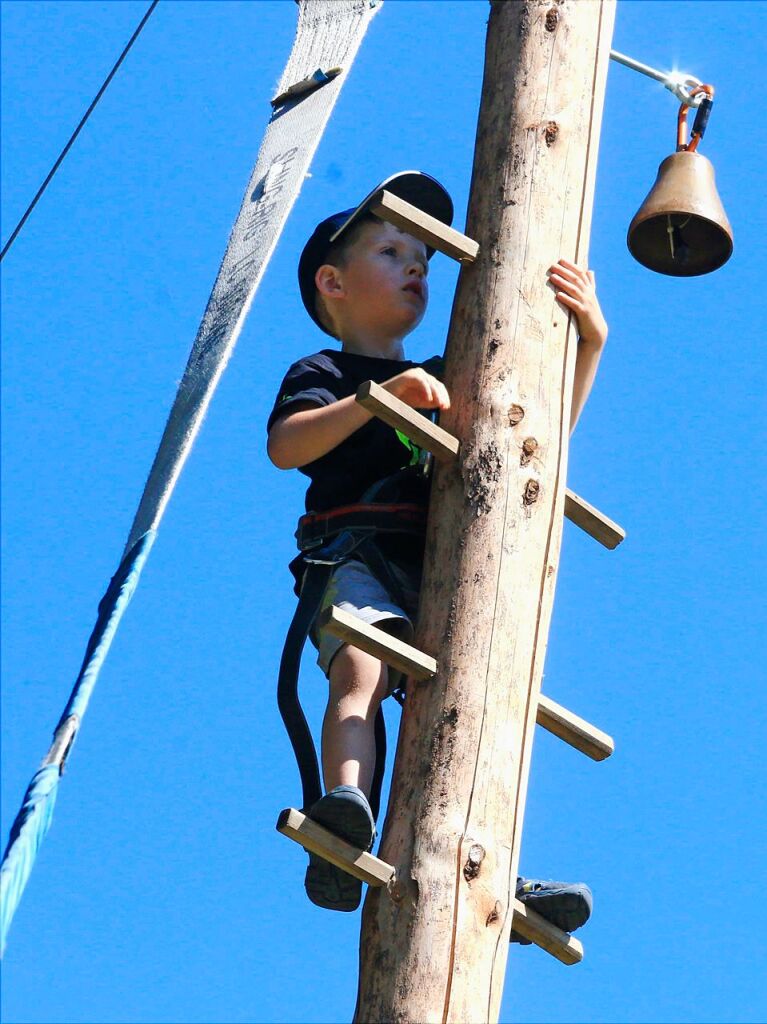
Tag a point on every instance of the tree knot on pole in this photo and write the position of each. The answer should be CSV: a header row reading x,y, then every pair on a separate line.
x,y
529,447
495,914
552,19
532,490
550,132
492,347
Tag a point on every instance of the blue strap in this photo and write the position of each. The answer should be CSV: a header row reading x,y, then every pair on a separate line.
x,y
111,609
34,819
28,831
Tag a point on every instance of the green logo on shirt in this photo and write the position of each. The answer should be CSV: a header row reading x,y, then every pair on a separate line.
x,y
415,451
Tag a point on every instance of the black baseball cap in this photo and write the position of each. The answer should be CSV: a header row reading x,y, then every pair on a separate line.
x,y
414,187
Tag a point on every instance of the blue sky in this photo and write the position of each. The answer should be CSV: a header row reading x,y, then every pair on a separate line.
x,y
163,892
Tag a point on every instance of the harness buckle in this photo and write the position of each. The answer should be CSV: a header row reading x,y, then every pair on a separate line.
x,y
338,550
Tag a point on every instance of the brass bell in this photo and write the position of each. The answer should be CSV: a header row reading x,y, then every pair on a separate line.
x,y
681,228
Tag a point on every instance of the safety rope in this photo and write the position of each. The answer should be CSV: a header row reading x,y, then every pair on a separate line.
x,y
328,36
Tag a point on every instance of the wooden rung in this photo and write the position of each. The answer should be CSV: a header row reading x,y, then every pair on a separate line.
x,y
429,230
418,428
378,642
593,521
313,837
546,935
574,730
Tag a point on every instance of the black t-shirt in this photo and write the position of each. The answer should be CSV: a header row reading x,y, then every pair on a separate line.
x,y
371,453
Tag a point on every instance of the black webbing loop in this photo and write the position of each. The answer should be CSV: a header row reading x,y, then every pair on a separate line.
x,y
380,765
299,733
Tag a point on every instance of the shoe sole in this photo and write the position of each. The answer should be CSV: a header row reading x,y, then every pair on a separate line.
x,y
330,888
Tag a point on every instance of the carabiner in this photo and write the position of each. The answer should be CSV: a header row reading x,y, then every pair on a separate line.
x,y
701,119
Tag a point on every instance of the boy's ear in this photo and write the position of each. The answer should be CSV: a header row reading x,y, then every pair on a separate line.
x,y
328,281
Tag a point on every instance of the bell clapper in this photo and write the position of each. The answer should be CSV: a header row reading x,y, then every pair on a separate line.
x,y
677,244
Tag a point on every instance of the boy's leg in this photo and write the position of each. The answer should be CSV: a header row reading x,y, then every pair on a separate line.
x,y
358,684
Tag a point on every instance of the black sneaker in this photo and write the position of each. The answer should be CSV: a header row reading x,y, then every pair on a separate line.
x,y
345,812
564,905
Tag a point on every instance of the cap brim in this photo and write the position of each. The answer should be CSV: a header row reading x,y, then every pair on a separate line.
x,y
414,187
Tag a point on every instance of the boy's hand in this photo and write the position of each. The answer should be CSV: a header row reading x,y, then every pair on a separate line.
x,y
418,389
576,290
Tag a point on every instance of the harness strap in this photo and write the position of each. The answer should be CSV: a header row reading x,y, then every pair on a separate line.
x,y
291,711
318,571
327,540
319,567
315,528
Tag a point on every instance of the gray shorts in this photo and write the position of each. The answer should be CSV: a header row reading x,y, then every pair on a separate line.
x,y
353,588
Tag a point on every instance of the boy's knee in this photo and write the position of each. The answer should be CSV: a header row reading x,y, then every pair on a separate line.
x,y
356,673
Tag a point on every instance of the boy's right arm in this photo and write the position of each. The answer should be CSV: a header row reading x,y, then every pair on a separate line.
x,y
308,431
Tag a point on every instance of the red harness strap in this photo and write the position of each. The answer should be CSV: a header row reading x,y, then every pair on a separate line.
x,y
315,528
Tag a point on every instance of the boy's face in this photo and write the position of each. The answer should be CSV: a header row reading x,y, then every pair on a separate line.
x,y
382,285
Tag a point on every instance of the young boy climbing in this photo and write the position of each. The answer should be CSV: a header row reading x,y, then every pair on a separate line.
x,y
365,283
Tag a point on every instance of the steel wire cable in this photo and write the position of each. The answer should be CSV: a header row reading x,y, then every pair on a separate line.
x,y
76,132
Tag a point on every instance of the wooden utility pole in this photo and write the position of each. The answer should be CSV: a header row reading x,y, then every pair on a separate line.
x,y
434,945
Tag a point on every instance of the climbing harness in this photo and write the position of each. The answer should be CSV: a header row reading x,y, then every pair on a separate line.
x,y
315,528
327,540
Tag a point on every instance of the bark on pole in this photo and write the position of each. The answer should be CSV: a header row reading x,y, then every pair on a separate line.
x,y
434,948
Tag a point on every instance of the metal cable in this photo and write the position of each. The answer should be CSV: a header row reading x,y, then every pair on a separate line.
x,y
76,132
